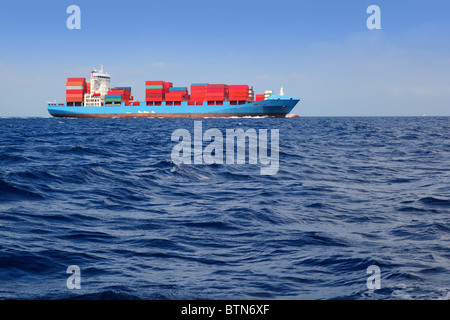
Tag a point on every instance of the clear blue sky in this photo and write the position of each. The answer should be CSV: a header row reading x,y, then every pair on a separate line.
x,y
319,50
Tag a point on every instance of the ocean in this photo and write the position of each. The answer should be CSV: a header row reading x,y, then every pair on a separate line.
x,y
358,209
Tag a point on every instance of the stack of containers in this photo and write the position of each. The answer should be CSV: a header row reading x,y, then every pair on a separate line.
x,y
238,92
125,92
167,86
156,90
113,98
216,92
177,94
75,89
259,97
198,92
119,94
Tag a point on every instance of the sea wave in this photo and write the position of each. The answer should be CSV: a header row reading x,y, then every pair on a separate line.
x,y
105,195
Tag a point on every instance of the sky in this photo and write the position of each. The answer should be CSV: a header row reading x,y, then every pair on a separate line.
x,y
321,51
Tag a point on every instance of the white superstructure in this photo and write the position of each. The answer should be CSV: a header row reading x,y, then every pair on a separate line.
x,y
100,82
90,100
99,88
267,94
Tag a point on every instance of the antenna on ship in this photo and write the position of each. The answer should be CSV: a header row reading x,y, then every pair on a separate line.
x,y
101,68
282,91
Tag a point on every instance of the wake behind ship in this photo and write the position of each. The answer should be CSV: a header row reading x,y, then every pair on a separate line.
x,y
95,99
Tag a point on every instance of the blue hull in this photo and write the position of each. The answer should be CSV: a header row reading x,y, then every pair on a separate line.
x,y
274,106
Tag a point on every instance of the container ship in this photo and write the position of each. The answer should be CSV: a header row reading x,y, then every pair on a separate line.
x,y
95,98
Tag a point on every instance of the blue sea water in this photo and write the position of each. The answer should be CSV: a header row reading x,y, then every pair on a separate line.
x,y
104,195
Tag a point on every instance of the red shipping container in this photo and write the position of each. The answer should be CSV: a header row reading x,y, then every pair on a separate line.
x,y
123,93
170,95
74,99
217,90
216,95
259,97
237,98
168,85
215,98
238,93
177,99
178,91
237,90
117,92
76,79
217,86
176,94
155,91
75,83
120,89
154,83
79,92
239,87
75,95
